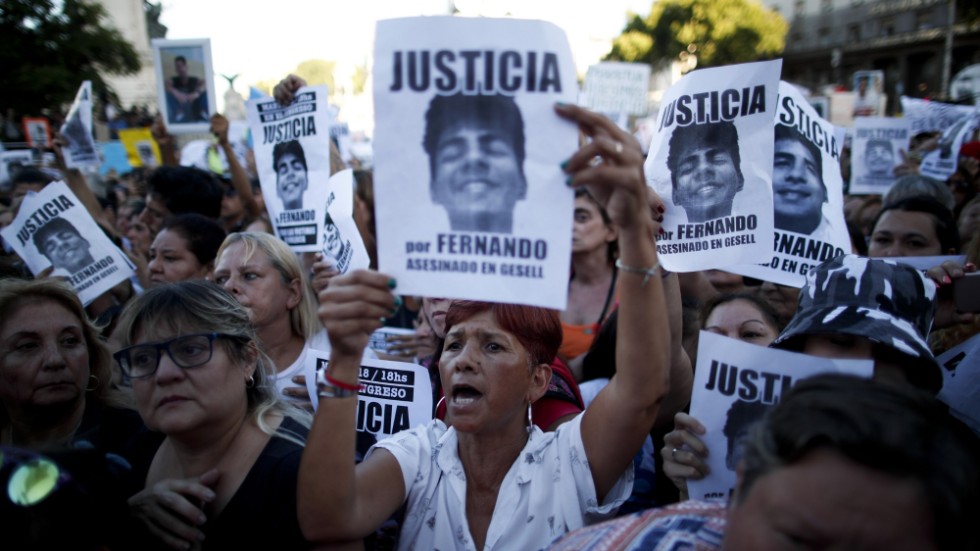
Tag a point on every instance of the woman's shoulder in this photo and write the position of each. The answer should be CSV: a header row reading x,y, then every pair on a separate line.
x,y
108,428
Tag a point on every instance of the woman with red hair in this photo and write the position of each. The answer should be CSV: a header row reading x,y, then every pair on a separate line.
x,y
486,478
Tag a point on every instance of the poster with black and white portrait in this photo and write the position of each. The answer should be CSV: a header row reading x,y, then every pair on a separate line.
x,y
808,196
53,230
941,163
932,116
471,200
735,384
292,155
80,150
342,243
876,150
710,161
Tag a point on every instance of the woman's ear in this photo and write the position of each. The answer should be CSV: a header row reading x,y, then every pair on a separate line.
x,y
251,354
295,293
540,378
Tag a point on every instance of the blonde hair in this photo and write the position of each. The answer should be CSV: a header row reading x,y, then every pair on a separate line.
x,y
15,293
302,319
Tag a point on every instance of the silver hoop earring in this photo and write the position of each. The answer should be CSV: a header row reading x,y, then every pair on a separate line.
x,y
92,386
530,422
250,383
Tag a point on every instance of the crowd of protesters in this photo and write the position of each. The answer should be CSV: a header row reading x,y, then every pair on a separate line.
x,y
173,402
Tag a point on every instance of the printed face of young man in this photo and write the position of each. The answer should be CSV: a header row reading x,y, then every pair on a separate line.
x,y
706,177
798,193
477,177
66,249
290,181
879,159
181,67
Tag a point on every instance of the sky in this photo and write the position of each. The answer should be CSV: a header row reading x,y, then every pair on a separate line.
x,y
265,41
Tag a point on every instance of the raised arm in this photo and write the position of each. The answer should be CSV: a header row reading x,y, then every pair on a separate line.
x,y
336,500
239,178
79,186
614,426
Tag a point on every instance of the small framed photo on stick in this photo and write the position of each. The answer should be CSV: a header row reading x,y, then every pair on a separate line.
x,y
185,84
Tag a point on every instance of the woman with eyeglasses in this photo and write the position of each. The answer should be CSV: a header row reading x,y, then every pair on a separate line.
x,y
231,452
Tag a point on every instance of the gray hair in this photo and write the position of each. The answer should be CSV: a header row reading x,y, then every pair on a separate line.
x,y
912,185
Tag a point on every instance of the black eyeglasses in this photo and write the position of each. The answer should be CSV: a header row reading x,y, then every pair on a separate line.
x,y
186,351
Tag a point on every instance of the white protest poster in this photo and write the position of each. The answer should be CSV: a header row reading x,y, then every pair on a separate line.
x,y
924,263
869,94
932,116
941,162
961,381
875,152
735,384
12,161
342,243
471,201
340,134
394,396
615,87
808,196
384,338
53,229
292,156
711,162
77,131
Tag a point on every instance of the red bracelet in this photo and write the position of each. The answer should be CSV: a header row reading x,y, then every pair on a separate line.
x,y
340,384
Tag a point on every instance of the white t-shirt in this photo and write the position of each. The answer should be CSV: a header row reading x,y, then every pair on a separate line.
x,y
284,377
321,344
548,491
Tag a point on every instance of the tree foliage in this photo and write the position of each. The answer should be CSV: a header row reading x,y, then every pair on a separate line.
x,y
316,71
48,48
719,32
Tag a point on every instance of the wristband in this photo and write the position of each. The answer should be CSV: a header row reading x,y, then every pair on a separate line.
x,y
328,387
647,273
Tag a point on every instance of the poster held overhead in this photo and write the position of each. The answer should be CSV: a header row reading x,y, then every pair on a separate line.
x,y
614,87
941,162
53,229
807,194
80,151
38,132
342,243
185,84
932,116
876,151
471,200
711,162
292,155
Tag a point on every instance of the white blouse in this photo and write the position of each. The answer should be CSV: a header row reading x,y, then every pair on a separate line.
x,y
548,491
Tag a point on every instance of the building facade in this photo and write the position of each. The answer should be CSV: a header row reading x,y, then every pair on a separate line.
x,y
829,40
